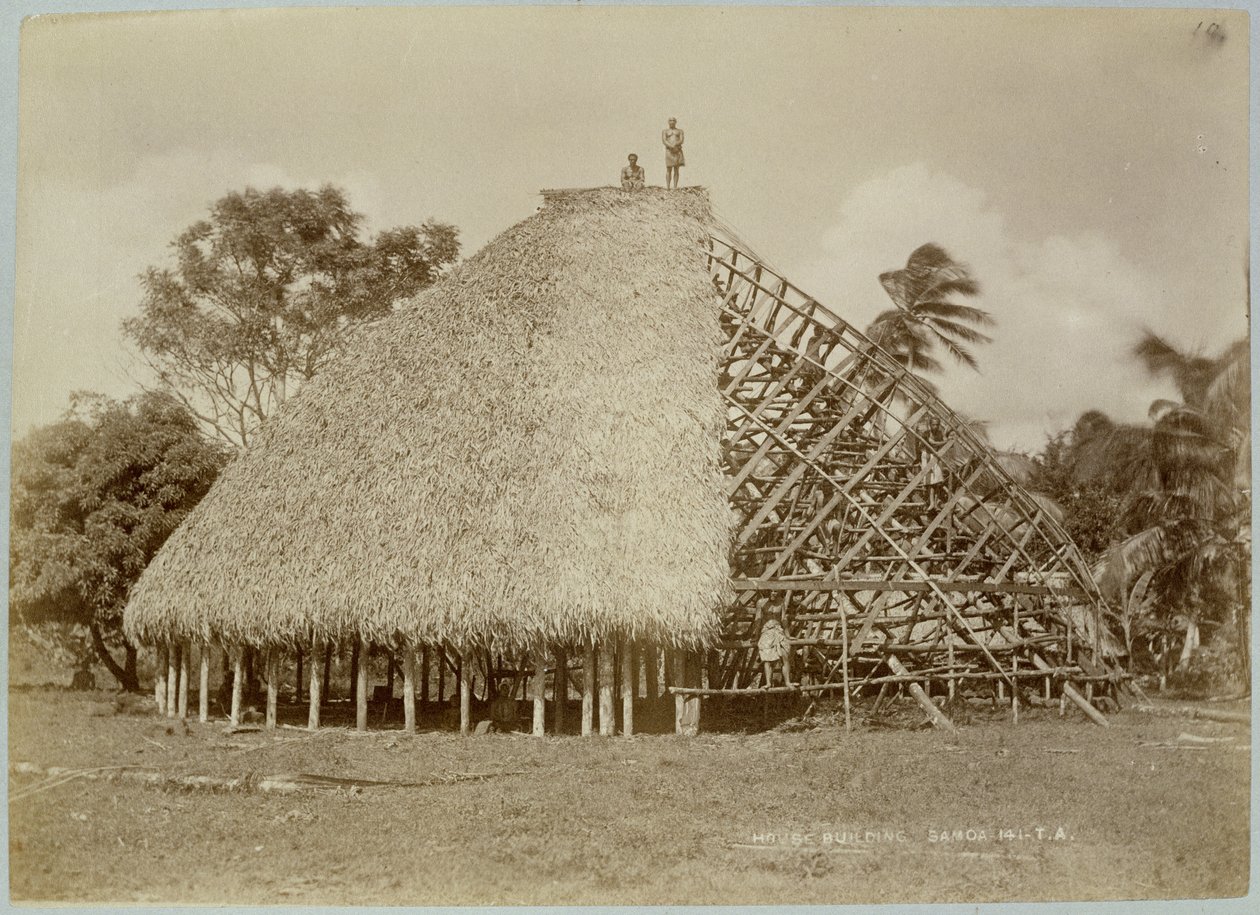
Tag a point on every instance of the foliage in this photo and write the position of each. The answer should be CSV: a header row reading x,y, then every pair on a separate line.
x,y
926,314
1165,506
94,497
1090,508
264,290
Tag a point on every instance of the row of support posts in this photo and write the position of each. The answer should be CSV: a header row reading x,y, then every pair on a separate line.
x,y
598,667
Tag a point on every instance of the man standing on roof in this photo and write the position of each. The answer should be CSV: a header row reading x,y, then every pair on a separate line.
x,y
672,137
632,176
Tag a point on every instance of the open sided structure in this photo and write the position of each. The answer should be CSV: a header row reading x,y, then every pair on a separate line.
x,y
611,431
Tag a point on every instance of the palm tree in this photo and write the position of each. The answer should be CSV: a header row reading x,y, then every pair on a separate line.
x,y
926,315
1186,502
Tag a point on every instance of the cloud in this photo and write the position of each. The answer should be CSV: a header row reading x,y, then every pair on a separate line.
x,y
1068,307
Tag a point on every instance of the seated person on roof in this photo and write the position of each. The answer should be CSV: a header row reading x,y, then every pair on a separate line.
x,y
632,176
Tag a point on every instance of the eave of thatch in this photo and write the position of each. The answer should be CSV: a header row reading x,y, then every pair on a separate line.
x,y
527,452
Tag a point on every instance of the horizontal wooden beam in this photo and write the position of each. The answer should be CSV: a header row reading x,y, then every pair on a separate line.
x,y
856,584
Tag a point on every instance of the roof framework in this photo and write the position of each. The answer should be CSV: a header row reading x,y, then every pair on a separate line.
x,y
871,517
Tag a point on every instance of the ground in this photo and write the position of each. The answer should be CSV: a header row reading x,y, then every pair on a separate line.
x,y
1049,808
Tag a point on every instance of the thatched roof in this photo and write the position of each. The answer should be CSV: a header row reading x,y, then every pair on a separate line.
x,y
527,451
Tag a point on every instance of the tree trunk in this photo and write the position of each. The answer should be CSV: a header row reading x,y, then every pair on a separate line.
x,y
126,677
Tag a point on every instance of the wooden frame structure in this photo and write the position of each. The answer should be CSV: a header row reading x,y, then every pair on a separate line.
x,y
875,524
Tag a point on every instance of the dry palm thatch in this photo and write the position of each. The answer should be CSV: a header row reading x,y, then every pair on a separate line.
x,y
527,452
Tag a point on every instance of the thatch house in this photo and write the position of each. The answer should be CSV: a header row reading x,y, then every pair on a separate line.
x,y
615,426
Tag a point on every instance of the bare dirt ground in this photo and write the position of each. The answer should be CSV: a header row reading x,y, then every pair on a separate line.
x,y
1047,809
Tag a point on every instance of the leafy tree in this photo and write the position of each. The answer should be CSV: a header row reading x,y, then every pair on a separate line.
x,y
1175,492
926,315
264,291
94,497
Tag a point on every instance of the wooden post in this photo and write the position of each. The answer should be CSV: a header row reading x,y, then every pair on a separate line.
x,y
560,687
588,690
935,715
184,651
629,671
159,677
465,695
361,686
540,692
844,659
172,679
651,662
297,683
273,686
316,689
409,689
607,717
424,675
328,653
355,661
690,721
441,675
203,685
678,669
238,685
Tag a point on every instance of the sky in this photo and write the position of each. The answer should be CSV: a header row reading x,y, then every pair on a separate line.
x,y
1090,166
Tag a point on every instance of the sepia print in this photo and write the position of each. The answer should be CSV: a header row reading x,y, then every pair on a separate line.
x,y
641,456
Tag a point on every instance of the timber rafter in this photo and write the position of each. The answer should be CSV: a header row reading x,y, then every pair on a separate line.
x,y
874,519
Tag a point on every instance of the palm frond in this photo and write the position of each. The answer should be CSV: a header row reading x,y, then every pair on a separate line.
x,y
956,312
958,331
950,282
960,353
1189,371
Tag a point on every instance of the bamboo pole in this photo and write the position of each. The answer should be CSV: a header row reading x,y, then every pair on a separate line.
x,y
560,687
588,690
540,692
465,695
652,662
424,675
355,661
297,683
441,675
361,686
273,686
172,680
159,678
844,659
607,717
203,685
679,678
316,689
409,689
185,649
328,652
629,677
936,716
238,686
691,702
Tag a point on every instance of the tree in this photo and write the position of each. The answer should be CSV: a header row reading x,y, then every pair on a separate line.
x,y
94,497
1175,493
926,315
264,291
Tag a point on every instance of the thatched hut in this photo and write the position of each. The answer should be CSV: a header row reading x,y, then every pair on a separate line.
x,y
615,427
